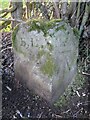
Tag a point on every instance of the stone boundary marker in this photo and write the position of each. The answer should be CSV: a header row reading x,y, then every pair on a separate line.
x,y
45,56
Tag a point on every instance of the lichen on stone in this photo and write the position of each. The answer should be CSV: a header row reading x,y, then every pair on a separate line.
x,y
49,66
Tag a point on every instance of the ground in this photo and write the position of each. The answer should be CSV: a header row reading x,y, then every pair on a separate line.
x,y
19,102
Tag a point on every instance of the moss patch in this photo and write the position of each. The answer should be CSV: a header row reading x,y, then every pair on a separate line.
x,y
49,66
40,53
14,41
14,36
62,27
41,25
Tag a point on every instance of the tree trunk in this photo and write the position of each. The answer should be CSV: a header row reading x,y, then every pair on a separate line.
x,y
72,13
56,13
18,13
85,18
28,15
64,10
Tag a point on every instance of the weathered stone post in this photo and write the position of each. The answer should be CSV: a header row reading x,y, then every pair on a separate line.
x,y
45,56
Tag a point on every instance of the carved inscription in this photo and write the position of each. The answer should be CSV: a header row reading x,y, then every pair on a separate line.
x,y
23,44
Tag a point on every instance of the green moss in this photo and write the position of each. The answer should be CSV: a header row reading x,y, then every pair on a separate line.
x,y
56,20
61,28
14,36
76,32
61,102
49,66
41,25
14,41
40,53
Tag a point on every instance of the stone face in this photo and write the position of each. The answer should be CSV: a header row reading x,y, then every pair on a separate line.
x,y
45,56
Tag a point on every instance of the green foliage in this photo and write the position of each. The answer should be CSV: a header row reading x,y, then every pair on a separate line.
x,y
41,25
7,28
61,28
4,4
62,101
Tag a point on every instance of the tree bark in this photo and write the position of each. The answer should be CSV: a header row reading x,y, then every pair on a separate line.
x,y
64,10
72,13
28,11
85,18
18,13
56,12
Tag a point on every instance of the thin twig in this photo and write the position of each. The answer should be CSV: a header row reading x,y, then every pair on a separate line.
x,y
9,43
4,15
73,14
6,19
67,111
78,93
40,115
77,113
84,73
4,24
58,116
8,10
6,49
11,64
